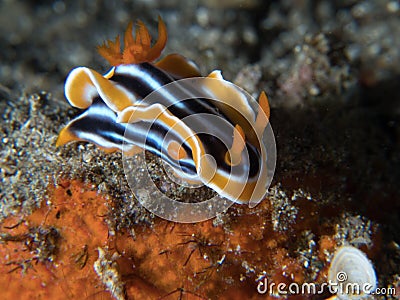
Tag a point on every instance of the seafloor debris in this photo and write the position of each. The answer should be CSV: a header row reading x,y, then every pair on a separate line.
x,y
29,161
107,269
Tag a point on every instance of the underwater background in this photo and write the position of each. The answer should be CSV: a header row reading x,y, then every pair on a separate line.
x,y
69,224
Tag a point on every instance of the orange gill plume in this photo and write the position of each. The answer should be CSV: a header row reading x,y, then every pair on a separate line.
x,y
136,50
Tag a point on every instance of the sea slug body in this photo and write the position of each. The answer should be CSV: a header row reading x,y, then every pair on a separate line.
x,y
213,136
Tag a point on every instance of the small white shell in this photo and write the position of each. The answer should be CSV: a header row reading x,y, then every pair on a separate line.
x,y
351,275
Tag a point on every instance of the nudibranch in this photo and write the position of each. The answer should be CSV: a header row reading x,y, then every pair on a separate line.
x,y
212,136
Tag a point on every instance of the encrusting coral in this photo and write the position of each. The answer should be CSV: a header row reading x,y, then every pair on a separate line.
x,y
65,249
58,264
